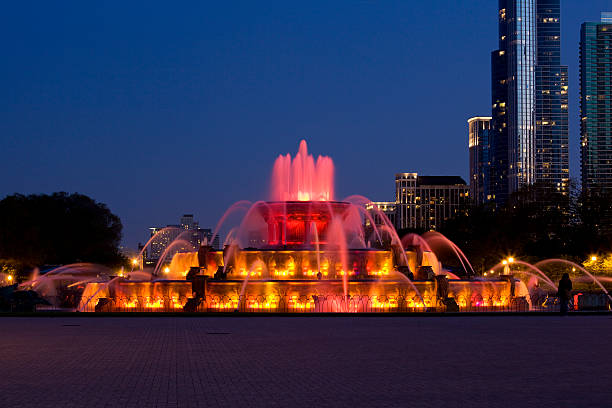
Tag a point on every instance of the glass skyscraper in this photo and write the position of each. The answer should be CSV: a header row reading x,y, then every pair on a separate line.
x,y
480,159
596,105
552,144
529,133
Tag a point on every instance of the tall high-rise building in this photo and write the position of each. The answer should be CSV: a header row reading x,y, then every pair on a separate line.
x,y
422,202
596,104
480,159
529,132
498,133
552,144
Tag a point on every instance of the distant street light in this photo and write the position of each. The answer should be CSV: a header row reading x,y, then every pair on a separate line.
x,y
593,258
135,263
506,263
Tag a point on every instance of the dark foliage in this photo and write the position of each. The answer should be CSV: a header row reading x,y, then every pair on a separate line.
x,y
536,223
57,229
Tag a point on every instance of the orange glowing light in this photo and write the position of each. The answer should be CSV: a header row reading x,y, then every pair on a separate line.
x,y
296,304
263,305
231,304
384,303
130,303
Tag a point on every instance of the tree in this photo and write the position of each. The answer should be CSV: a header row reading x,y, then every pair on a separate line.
x,y
594,209
59,228
537,222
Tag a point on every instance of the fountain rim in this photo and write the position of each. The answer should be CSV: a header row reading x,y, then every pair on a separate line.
x,y
307,249
304,201
300,203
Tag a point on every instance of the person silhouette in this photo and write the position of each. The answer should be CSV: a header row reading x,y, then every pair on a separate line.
x,y
564,292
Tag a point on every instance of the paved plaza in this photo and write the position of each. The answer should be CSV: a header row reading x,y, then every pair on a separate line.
x,y
503,361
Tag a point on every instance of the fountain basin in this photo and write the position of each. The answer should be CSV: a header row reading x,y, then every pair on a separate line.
x,y
298,296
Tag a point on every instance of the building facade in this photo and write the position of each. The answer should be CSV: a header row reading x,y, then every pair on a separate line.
x,y
552,140
388,208
436,199
188,222
161,238
529,127
186,236
422,202
596,104
480,159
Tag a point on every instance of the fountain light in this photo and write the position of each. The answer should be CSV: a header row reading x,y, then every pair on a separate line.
x,y
305,257
382,303
130,303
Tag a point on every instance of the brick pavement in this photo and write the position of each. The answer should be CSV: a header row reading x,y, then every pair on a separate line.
x,y
505,361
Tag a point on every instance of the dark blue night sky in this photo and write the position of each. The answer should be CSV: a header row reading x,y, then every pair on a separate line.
x,y
165,108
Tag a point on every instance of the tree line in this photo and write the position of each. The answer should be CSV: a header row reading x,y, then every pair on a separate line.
x,y
537,222
56,229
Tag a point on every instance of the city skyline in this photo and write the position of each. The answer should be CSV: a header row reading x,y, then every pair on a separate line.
x,y
179,147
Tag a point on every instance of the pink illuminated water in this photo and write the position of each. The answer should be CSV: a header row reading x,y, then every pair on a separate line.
x,y
242,206
500,266
436,240
301,178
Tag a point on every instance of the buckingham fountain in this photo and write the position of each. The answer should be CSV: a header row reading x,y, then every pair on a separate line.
x,y
301,251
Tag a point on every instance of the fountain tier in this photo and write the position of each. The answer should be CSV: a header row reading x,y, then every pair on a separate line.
x,y
300,223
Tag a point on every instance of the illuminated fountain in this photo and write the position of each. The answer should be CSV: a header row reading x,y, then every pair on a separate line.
x,y
304,251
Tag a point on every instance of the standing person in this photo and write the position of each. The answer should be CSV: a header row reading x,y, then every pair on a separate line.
x,y
564,292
